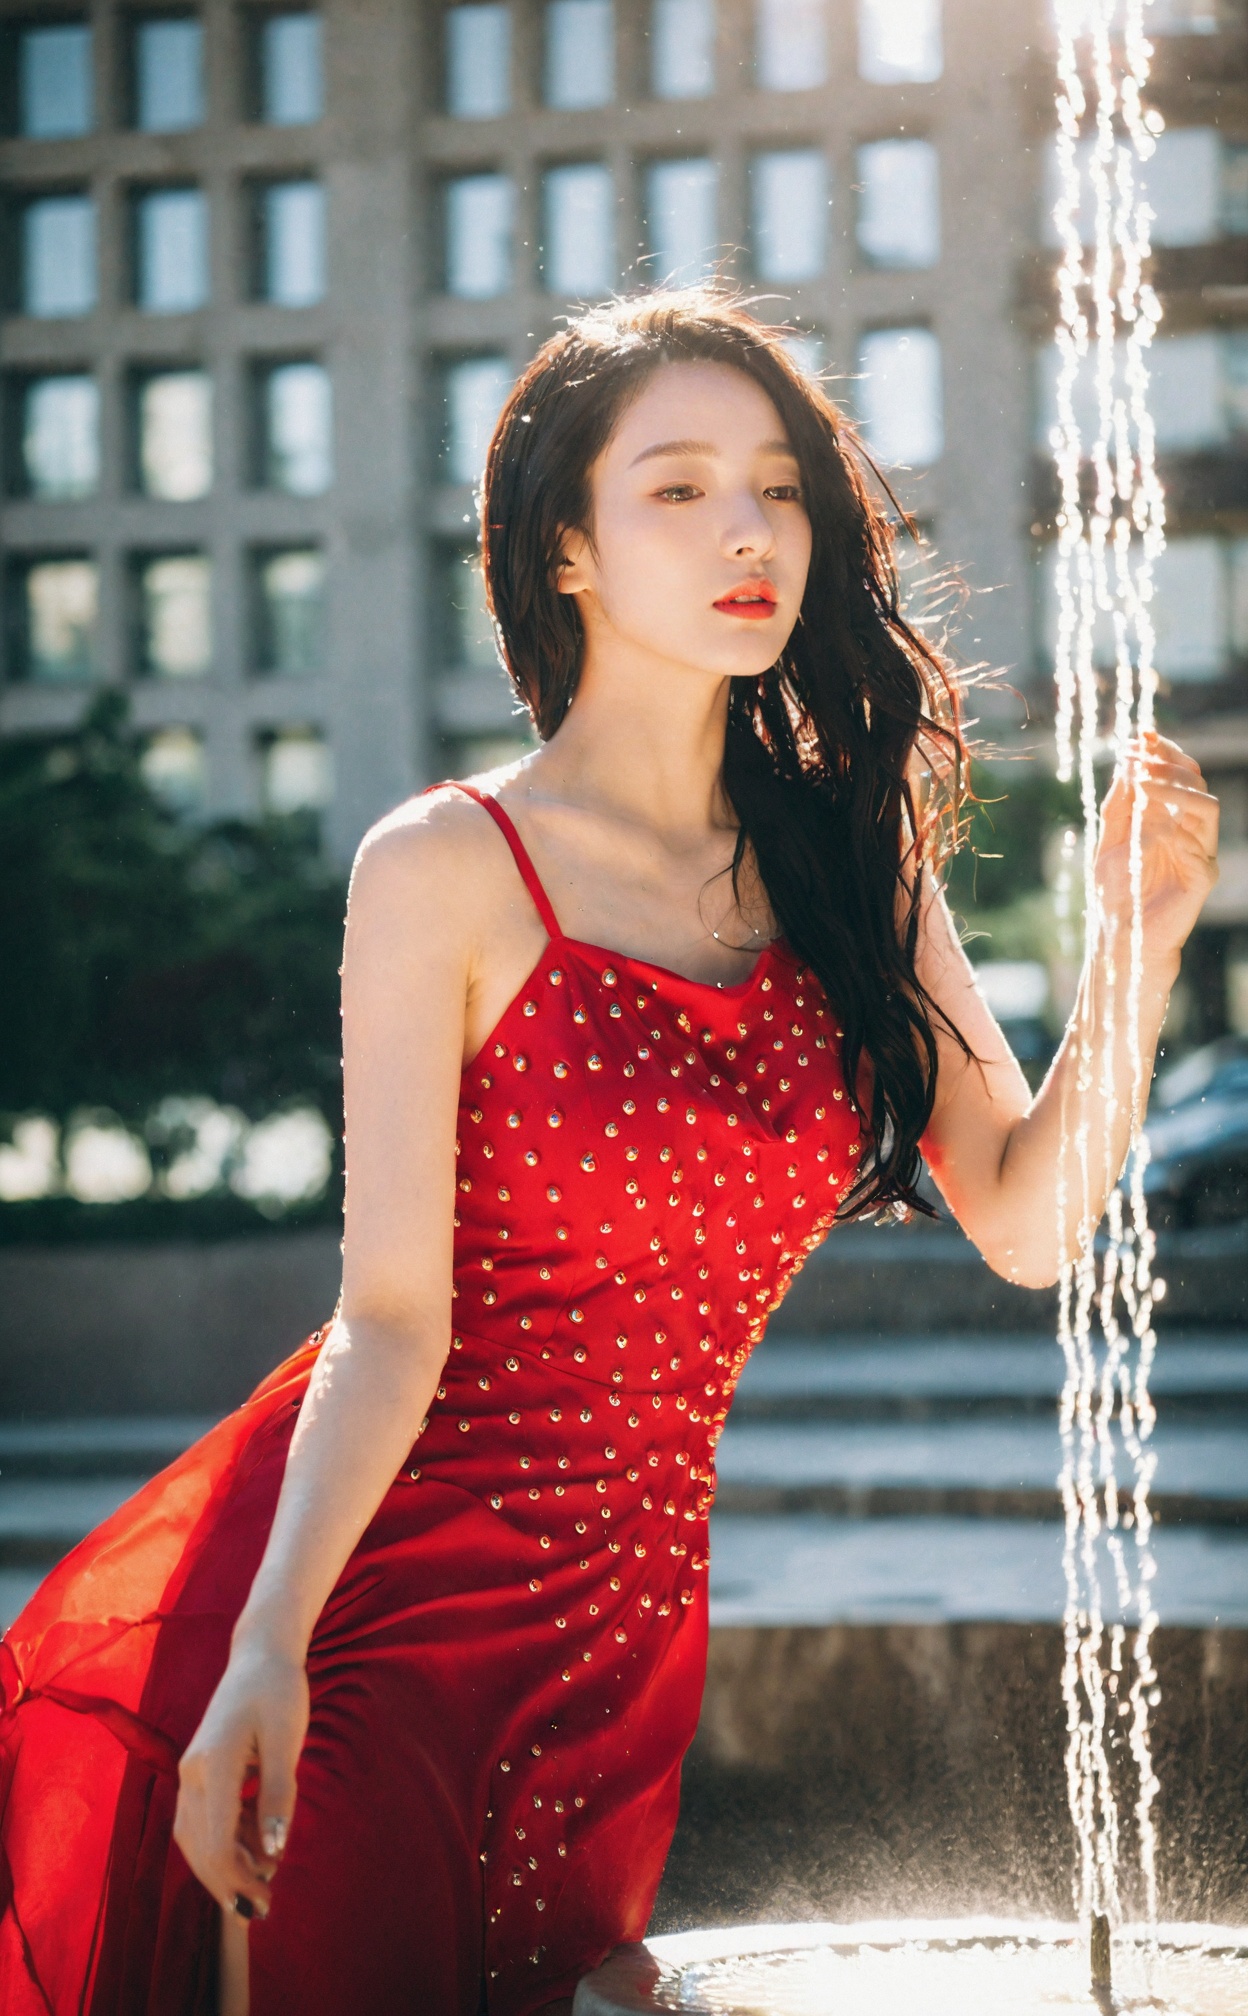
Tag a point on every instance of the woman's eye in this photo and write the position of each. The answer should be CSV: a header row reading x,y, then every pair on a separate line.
x,y
677,493
786,493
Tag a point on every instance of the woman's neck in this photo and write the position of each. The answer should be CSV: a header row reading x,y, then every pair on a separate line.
x,y
646,745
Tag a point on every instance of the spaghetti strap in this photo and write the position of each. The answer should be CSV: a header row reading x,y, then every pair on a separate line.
x,y
520,854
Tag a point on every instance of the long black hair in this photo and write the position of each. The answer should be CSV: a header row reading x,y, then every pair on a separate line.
x,y
820,750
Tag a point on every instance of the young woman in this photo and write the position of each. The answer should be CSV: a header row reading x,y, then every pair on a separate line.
x,y
377,1699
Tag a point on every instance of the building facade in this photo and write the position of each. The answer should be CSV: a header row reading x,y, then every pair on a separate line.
x,y
268,272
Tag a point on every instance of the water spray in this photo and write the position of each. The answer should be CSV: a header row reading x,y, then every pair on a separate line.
x,y
1111,528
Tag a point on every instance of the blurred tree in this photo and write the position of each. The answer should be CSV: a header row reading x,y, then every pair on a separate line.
x,y
1002,858
142,956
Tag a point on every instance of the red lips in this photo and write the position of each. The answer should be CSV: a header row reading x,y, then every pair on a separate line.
x,y
754,600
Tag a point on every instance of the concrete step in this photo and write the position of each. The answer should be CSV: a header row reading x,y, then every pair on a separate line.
x,y
918,1378
1006,1467
123,1445
819,1571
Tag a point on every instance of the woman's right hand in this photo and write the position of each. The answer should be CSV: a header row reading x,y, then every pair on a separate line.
x,y
254,1727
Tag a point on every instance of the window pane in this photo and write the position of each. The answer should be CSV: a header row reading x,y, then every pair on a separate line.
x,y
174,769
683,48
1183,183
899,396
298,429
899,203
61,600
479,212
478,61
58,256
899,41
579,248
291,80
168,75
298,773
791,44
1186,395
789,194
1190,609
681,220
580,53
466,642
175,618
175,435
291,612
293,269
54,84
61,438
172,251
475,388
1235,379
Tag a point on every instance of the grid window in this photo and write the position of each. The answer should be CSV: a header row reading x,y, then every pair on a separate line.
x,y
790,44
290,612
681,220
899,396
58,273
56,615
479,216
899,203
808,350
580,53
1197,394
682,48
474,390
60,438
1196,608
174,769
296,429
292,84
173,414
466,641
579,234
789,202
175,616
168,75
171,251
478,60
899,41
297,772
1196,186
55,97
292,244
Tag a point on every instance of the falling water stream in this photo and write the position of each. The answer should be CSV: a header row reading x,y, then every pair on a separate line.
x,y
1110,531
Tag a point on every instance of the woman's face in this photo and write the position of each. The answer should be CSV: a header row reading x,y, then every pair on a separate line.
x,y
701,540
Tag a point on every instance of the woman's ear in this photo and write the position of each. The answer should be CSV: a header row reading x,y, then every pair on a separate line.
x,y
572,575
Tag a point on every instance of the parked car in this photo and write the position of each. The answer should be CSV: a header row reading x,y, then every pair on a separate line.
x,y
1198,1139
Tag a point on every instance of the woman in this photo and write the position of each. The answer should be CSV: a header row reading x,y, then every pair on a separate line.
x,y
626,1027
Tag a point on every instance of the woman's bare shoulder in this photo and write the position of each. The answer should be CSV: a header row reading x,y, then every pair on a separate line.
x,y
438,844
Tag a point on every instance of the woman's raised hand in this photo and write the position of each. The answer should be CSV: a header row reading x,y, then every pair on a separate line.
x,y
1178,844
237,1792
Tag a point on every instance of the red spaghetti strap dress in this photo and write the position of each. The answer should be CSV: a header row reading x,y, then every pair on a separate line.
x,y
509,1670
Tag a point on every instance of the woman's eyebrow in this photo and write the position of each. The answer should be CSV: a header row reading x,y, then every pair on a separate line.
x,y
704,448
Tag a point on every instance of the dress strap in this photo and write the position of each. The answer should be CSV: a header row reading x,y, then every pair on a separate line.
x,y
520,854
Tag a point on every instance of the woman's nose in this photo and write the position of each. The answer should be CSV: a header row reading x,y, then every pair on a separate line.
x,y
748,531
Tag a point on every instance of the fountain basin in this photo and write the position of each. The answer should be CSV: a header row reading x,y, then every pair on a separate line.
x,y
938,1967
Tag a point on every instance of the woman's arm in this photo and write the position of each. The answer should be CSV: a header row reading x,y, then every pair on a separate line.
x,y
996,1152
407,970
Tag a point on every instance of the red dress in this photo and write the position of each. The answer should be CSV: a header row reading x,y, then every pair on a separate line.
x,y
510,1667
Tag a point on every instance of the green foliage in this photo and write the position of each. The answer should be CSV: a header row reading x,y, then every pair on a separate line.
x,y
1002,858
143,957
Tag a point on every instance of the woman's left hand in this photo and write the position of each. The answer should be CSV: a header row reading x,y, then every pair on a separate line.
x,y
1178,844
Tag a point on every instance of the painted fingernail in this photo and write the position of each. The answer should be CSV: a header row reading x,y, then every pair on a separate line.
x,y
273,1836
243,1907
